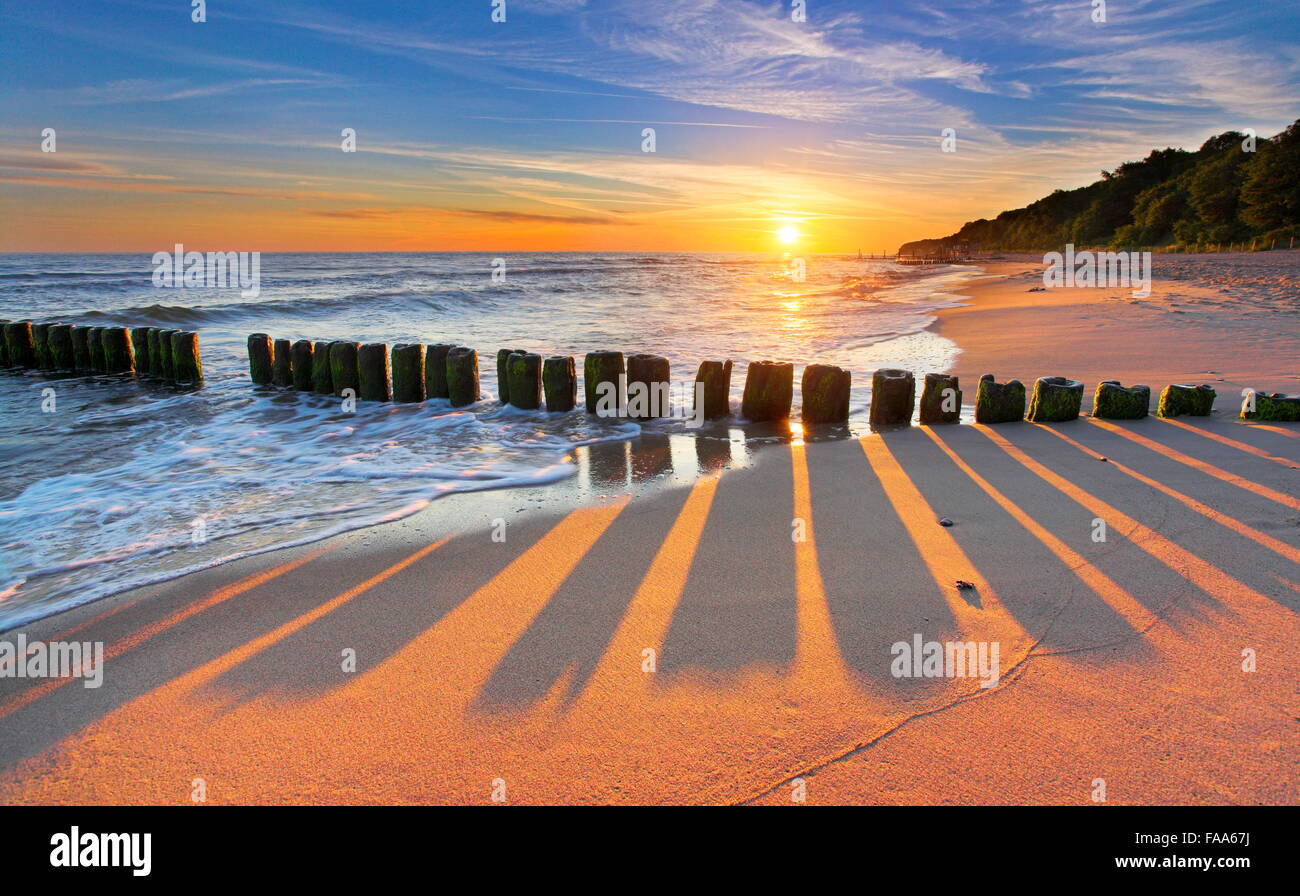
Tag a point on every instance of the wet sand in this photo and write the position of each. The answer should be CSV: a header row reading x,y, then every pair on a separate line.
x,y
678,645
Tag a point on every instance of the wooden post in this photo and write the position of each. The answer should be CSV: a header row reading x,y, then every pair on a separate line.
x,y
769,391
1112,401
597,368
343,367
168,357
524,378
60,342
999,402
19,343
652,399
374,373
560,381
408,373
140,347
321,379
503,374
716,377
282,371
462,376
96,347
261,359
301,355
893,395
40,345
80,350
938,404
824,392
155,352
435,370
187,365
1178,400
1056,399
117,350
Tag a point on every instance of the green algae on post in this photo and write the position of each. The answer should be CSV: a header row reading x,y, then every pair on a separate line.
x,y
560,382
1178,400
652,398
999,402
1112,401
716,377
95,348
503,374
40,346
282,369
462,376
19,344
168,358
80,349
155,351
435,370
321,380
1275,407
60,342
893,393
824,392
938,404
187,365
769,391
597,368
116,345
524,380
140,347
1056,399
373,372
261,359
408,373
343,367
300,360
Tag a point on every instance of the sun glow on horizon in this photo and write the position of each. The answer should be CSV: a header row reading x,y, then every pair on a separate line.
x,y
787,233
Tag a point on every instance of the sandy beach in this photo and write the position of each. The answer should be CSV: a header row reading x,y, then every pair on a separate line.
x,y
683,645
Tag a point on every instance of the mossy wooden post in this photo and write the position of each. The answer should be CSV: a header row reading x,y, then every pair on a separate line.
x,y
40,345
4,345
80,350
1112,401
435,370
95,342
62,356
1056,399
938,404
769,391
462,376
301,354
1183,400
140,347
261,359
597,368
155,352
999,402
503,374
187,364
321,380
408,373
560,382
282,370
1274,407
165,349
524,380
343,367
651,398
374,373
893,395
117,350
19,344
716,377
824,392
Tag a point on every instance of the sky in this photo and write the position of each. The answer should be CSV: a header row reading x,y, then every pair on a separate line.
x,y
528,134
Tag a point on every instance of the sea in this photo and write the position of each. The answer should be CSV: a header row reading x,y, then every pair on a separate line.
x,y
112,483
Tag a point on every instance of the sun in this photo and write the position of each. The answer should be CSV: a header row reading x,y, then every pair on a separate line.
x,y
788,233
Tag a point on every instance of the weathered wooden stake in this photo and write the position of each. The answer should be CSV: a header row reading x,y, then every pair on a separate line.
x,y
560,382
408,373
40,345
503,374
1112,401
321,379
938,404
60,342
824,390
116,345
652,398
1178,400
1056,399
282,371
140,347
19,343
597,368
462,376
1272,406
769,391
80,350
261,359
187,365
999,402
343,367
95,344
716,377
524,376
435,370
893,394
168,355
155,352
374,373
301,355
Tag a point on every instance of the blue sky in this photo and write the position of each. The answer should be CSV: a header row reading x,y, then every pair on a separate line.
x,y
528,133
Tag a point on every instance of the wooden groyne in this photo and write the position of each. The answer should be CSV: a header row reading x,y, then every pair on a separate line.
x,y
71,350
418,373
